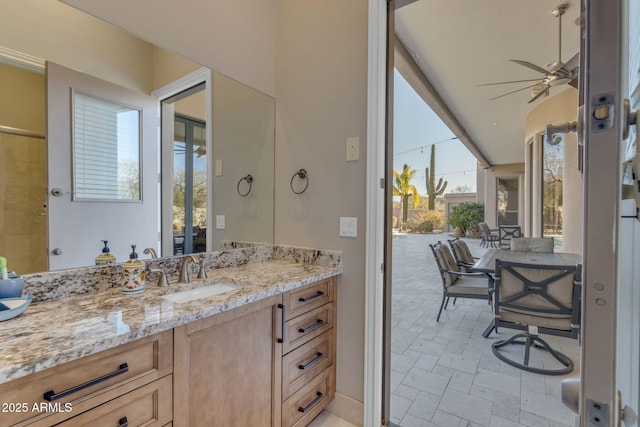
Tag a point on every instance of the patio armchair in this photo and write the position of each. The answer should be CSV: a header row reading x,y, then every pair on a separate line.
x,y
508,232
532,244
462,254
489,236
536,299
456,283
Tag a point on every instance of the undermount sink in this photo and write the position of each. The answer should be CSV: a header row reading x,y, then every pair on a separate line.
x,y
203,292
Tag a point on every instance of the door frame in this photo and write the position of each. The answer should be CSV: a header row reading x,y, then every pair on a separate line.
x,y
201,75
375,218
601,209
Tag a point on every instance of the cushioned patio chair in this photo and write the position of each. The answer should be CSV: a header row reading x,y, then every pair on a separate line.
x,y
462,254
532,244
455,282
489,236
506,233
536,299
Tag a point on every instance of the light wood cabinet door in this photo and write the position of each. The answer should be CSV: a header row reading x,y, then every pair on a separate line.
x,y
225,371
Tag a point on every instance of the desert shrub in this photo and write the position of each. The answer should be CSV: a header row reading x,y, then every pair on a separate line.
x,y
394,221
426,222
466,217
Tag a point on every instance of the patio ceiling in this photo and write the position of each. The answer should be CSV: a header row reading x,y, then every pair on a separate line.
x,y
460,44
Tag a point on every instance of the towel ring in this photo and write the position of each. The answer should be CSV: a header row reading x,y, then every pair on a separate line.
x,y
302,174
249,180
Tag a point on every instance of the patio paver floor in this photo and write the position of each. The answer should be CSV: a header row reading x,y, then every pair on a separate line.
x,y
444,373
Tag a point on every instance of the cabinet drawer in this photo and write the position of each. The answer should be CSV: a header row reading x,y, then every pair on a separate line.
x,y
304,405
92,380
148,406
308,326
307,361
301,300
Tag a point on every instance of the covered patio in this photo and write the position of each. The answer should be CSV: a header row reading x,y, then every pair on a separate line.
x,y
444,373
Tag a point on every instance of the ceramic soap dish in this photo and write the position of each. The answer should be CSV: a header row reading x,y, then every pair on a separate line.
x,y
12,307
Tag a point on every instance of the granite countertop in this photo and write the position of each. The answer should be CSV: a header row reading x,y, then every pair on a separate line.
x,y
50,333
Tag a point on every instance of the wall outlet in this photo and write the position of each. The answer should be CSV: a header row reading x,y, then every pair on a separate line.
x,y
219,167
353,149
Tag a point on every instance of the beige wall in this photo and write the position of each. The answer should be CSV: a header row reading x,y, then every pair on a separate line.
x,y
22,99
71,38
557,109
235,38
321,99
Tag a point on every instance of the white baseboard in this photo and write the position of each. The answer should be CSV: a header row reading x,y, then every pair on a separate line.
x,y
347,408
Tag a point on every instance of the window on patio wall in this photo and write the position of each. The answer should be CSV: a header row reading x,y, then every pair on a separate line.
x,y
507,193
552,176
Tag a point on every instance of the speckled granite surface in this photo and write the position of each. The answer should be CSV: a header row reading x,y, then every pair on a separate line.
x,y
63,283
60,330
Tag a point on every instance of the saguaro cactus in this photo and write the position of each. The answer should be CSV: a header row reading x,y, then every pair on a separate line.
x,y
434,189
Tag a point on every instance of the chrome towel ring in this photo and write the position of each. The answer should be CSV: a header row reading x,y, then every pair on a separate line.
x,y
301,174
249,180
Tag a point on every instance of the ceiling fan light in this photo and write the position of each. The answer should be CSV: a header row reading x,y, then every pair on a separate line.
x,y
559,81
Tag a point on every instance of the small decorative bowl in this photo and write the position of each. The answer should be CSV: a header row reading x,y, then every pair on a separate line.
x,y
12,287
12,307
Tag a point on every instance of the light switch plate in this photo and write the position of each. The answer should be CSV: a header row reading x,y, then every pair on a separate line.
x,y
218,167
348,226
353,149
220,219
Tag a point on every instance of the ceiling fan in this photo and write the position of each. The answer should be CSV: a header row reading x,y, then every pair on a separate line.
x,y
558,74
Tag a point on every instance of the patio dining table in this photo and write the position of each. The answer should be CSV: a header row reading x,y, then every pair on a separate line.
x,y
487,262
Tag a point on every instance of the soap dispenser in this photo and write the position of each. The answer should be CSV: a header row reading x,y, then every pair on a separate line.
x,y
133,274
105,258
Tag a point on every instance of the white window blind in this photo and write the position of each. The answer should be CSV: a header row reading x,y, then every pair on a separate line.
x,y
106,149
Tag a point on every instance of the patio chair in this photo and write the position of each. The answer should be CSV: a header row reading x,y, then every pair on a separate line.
x,y
456,283
489,236
462,254
506,233
532,244
537,299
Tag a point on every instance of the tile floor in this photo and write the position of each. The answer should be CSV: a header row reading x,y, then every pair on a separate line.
x,y
325,419
444,373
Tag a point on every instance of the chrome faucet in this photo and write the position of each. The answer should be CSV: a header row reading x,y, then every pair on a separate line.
x,y
150,251
184,269
162,278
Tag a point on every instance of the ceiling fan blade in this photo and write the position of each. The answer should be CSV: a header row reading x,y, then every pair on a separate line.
x,y
574,82
573,62
513,91
513,81
530,65
539,94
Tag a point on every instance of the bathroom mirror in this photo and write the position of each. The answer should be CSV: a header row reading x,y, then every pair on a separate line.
x,y
242,133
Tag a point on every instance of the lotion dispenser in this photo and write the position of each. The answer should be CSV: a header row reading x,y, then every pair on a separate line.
x,y
133,274
105,258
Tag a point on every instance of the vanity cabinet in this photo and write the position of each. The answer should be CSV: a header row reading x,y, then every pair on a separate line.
x,y
225,371
97,386
269,363
309,352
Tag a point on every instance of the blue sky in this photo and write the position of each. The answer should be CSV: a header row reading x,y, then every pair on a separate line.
x,y
415,128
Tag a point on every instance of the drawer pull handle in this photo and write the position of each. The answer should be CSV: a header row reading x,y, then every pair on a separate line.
x,y
312,297
312,403
281,339
50,396
123,422
310,328
311,362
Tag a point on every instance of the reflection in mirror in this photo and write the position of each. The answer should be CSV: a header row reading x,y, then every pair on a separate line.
x,y
106,150
243,137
